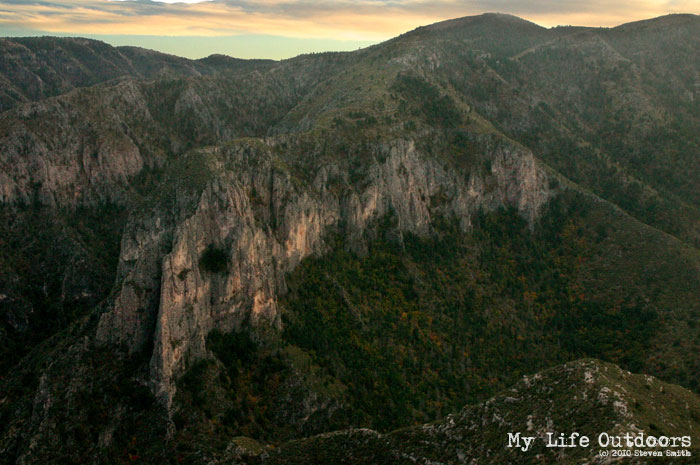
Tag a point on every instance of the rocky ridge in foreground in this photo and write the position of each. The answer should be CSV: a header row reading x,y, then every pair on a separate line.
x,y
595,399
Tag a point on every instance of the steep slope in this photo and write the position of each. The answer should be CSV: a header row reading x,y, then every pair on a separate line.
x,y
265,222
87,146
613,110
54,267
458,316
101,150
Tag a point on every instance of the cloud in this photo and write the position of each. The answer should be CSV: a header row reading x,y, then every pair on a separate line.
x,y
342,19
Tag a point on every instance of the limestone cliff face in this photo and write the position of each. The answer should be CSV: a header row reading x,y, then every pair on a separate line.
x,y
74,149
255,209
138,280
85,147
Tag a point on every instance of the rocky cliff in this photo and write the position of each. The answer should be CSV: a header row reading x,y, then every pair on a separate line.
x,y
266,221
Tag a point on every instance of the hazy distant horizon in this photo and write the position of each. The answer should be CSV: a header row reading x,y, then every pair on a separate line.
x,y
246,46
278,29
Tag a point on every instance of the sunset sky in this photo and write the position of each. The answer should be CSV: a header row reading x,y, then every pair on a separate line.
x,y
285,28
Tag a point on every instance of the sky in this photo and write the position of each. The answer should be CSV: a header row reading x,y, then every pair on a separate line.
x,y
284,28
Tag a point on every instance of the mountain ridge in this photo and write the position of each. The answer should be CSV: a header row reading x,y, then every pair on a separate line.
x,y
175,65
451,440
75,62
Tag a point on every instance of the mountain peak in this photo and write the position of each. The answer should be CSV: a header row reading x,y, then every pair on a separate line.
x,y
491,32
479,21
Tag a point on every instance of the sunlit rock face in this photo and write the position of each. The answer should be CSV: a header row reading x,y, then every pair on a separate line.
x,y
267,222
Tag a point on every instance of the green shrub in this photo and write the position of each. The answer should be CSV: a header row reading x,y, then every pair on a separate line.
x,y
214,260
234,349
437,109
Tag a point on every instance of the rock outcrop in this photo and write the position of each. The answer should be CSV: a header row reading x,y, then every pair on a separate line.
x,y
75,149
586,397
266,223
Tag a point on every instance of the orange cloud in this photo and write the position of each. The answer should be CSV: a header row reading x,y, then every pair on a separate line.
x,y
361,20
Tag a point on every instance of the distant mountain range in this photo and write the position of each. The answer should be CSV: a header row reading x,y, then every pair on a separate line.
x,y
34,68
483,223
